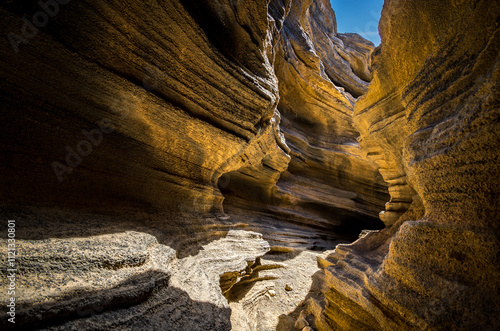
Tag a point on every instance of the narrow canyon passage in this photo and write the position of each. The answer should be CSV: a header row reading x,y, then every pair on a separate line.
x,y
243,165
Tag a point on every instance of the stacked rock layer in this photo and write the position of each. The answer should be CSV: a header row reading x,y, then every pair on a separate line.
x,y
430,121
144,112
135,133
328,184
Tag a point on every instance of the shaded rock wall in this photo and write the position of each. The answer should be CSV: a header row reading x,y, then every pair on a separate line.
x,y
132,111
123,107
180,106
430,121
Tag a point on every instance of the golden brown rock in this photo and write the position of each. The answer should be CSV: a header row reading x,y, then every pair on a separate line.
x,y
127,117
326,191
179,107
129,128
190,93
430,121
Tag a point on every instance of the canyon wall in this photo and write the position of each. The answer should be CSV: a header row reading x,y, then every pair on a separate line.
x,y
131,111
140,138
139,110
328,184
121,124
430,121
182,104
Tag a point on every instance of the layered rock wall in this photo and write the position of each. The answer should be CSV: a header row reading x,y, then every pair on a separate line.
x,y
180,103
430,121
131,111
135,132
121,121
327,183
150,105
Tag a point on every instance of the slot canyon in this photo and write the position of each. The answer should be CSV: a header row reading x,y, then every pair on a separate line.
x,y
243,165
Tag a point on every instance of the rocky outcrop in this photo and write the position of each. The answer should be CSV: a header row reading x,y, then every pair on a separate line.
x,y
430,121
125,280
278,285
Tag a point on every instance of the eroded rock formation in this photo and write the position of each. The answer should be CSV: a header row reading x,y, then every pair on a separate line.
x,y
127,117
430,121
127,280
140,138
182,106
146,113
328,184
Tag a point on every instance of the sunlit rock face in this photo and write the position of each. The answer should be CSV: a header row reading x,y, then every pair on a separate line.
x,y
328,184
430,121
121,123
125,107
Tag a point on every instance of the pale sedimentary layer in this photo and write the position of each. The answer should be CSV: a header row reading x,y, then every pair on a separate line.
x,y
279,283
125,281
122,122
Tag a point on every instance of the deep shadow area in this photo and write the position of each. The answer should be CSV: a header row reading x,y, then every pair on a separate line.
x,y
313,227
78,304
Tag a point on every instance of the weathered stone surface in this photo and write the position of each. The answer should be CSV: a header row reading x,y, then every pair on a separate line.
x,y
260,301
182,104
328,184
123,116
125,281
430,121
183,110
151,103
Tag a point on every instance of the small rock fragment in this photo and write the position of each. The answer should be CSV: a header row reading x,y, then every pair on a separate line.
x,y
288,287
301,322
272,293
307,328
